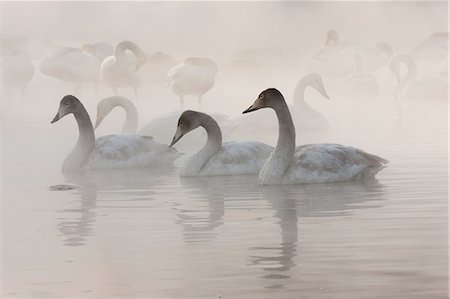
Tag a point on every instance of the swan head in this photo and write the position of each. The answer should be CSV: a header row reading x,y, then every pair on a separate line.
x,y
270,97
104,107
315,81
332,38
69,104
188,121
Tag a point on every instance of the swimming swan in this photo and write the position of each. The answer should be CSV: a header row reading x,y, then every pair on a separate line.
x,y
120,70
195,76
215,158
111,151
414,87
361,84
312,163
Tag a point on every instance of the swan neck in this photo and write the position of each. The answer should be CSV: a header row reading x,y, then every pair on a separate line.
x,y
123,46
86,130
286,132
214,141
131,123
299,93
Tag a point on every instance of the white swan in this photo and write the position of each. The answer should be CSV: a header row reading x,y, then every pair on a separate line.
x,y
313,163
215,158
112,151
105,106
17,70
100,50
305,117
432,49
195,76
414,87
361,84
120,70
71,65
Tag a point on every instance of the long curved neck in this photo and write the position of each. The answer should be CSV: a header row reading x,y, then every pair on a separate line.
x,y
214,142
126,45
131,123
211,148
85,144
299,94
286,130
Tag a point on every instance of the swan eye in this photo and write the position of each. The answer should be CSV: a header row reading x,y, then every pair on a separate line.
x,y
181,123
67,104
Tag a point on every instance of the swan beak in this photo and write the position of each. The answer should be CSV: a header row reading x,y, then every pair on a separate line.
x,y
324,92
56,118
177,137
251,108
98,120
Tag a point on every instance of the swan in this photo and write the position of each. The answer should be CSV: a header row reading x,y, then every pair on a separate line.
x,y
195,76
111,151
414,87
120,70
304,116
73,65
100,50
17,70
105,106
361,84
432,49
312,163
215,158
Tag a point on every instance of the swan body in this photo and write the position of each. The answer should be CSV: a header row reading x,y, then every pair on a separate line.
x,y
17,70
112,151
314,163
215,158
120,70
99,50
432,49
414,87
71,65
195,76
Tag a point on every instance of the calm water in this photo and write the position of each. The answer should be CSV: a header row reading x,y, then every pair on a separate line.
x,y
152,234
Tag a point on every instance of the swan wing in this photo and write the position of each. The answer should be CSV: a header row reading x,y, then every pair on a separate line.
x,y
238,158
319,163
130,151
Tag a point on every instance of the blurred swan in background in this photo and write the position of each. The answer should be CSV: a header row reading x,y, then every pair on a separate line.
x,y
120,69
17,70
361,85
433,49
312,163
105,106
305,117
111,151
72,65
430,87
215,158
195,76
100,50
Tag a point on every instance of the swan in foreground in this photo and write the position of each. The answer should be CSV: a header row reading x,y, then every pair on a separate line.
x,y
120,70
17,70
312,163
111,151
195,76
105,106
215,158
414,87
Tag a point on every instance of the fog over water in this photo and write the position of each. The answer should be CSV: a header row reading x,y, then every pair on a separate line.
x,y
149,233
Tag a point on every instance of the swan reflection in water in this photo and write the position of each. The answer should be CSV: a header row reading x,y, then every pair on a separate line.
x,y
106,189
289,203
